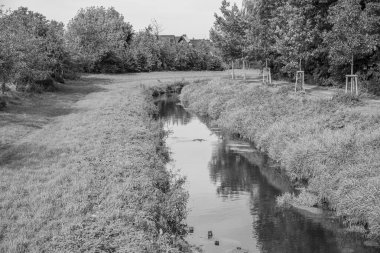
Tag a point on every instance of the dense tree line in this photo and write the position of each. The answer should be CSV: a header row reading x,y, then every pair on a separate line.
x,y
328,37
35,50
32,49
106,43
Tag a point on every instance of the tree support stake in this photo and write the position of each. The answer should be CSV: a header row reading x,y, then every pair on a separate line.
x,y
300,78
353,81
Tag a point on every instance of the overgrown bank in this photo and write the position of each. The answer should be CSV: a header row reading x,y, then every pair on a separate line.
x,y
93,180
328,147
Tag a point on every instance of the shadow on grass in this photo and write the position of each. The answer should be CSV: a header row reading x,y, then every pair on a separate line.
x,y
28,154
53,104
21,121
27,112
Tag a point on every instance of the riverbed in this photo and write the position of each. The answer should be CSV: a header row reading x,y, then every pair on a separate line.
x,y
233,189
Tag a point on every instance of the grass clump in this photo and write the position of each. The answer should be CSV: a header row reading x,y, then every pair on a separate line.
x,y
347,99
326,146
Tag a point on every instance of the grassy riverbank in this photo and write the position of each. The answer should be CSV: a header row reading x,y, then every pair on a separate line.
x,y
330,147
83,170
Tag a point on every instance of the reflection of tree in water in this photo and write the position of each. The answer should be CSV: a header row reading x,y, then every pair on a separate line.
x,y
276,230
283,231
231,171
172,113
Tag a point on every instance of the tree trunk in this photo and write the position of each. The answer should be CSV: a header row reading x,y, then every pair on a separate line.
x,y
244,74
352,65
3,87
300,64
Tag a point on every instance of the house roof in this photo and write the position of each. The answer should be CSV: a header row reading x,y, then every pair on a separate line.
x,y
177,39
198,42
167,38
183,38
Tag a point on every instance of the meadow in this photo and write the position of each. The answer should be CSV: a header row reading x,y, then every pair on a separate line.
x,y
329,147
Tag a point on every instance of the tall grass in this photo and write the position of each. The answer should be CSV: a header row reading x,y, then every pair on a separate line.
x,y
326,146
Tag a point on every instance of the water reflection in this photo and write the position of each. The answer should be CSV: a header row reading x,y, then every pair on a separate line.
x,y
233,188
171,113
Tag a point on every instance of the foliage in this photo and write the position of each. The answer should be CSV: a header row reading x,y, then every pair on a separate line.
x,y
228,32
32,49
350,36
97,36
325,35
102,41
294,35
147,51
324,145
97,40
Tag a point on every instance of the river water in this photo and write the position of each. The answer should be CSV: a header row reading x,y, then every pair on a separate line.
x,y
233,189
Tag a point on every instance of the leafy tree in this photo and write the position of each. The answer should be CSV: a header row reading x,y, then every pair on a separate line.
x,y
146,48
229,32
168,55
293,35
32,47
8,54
262,28
95,33
350,35
298,34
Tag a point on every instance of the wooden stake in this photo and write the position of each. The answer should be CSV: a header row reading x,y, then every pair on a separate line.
x,y
346,84
356,85
245,76
353,81
233,71
300,76
270,77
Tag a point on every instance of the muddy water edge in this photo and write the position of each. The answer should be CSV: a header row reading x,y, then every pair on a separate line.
x,y
233,189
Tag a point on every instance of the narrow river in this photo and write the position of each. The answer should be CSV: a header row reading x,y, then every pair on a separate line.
x,y
233,189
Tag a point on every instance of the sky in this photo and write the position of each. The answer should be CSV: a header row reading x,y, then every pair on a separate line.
x,y
177,17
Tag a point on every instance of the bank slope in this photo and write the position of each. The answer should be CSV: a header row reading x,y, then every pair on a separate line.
x,y
329,147
92,181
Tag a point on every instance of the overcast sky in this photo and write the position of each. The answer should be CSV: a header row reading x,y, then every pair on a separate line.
x,y
191,17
